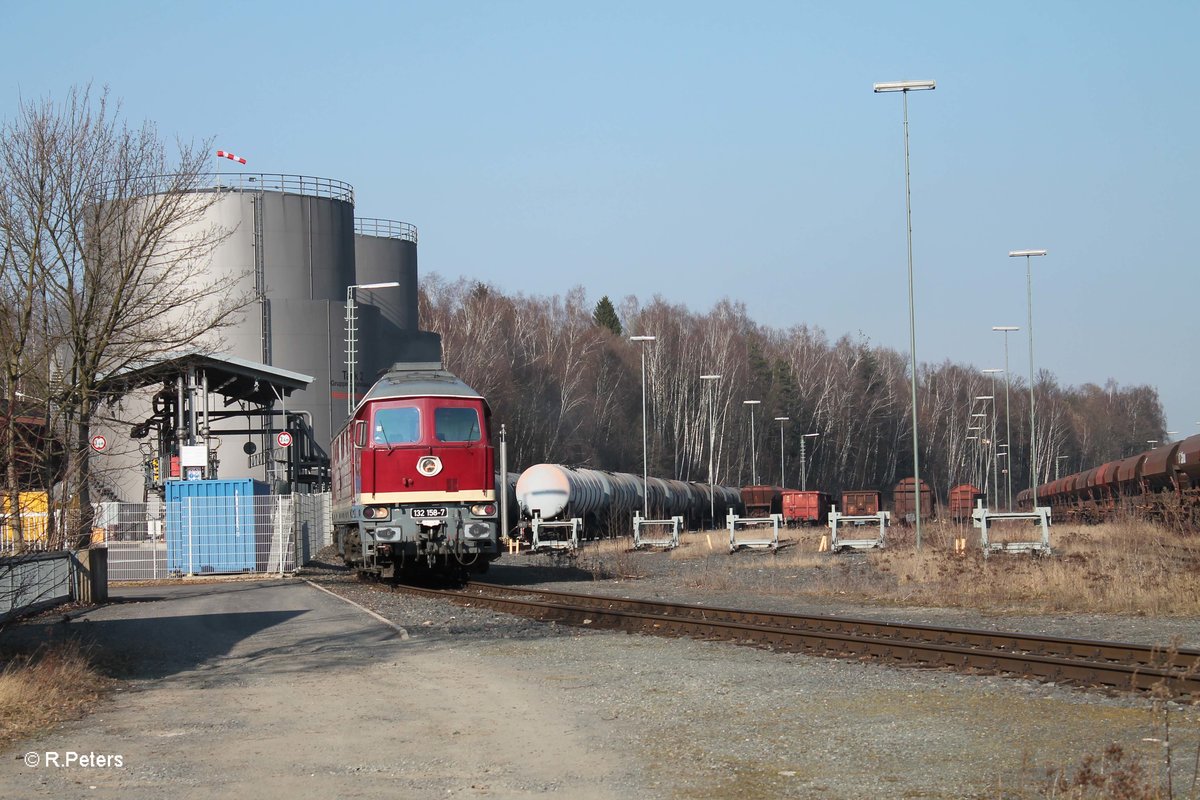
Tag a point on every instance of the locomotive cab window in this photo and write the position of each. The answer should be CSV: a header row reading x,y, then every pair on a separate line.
x,y
394,426
456,424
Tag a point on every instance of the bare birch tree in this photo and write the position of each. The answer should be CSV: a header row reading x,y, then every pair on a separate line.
x,y
110,222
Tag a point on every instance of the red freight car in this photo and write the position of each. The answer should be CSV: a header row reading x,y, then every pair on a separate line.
x,y
806,508
962,501
903,504
762,501
860,503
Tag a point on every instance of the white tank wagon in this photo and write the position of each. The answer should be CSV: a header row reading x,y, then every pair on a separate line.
x,y
554,493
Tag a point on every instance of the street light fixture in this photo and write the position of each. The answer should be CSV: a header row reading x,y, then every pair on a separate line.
x,y
352,339
1028,254
753,456
904,87
782,473
803,462
645,450
712,444
1006,330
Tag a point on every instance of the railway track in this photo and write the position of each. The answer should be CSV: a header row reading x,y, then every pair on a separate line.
x,y
1174,673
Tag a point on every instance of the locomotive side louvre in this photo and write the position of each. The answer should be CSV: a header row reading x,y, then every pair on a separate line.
x,y
413,478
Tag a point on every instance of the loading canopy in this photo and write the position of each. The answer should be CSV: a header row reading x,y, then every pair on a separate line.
x,y
235,379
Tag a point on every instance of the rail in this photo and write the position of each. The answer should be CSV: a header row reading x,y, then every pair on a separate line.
x,y
385,229
1087,662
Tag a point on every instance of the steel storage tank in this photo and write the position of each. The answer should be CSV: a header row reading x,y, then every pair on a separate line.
x,y
290,245
293,247
384,251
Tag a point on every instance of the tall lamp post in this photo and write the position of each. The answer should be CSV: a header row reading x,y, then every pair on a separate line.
x,y
1004,454
645,450
712,444
352,339
782,473
981,438
803,462
1006,330
992,466
904,87
1027,254
753,455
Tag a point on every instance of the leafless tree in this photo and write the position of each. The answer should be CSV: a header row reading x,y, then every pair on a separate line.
x,y
107,221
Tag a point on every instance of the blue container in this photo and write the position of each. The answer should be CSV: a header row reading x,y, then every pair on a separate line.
x,y
212,526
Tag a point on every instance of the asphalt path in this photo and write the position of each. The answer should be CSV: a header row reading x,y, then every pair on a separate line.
x,y
277,689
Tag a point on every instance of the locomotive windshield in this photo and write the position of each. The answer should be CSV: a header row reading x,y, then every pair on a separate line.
x,y
397,426
456,424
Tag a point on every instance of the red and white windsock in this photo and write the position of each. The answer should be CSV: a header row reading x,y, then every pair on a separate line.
x,y
230,156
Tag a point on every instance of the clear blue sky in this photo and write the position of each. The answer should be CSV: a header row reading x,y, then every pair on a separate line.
x,y
705,150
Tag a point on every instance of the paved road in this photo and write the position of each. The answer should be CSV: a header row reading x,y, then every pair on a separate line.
x,y
276,689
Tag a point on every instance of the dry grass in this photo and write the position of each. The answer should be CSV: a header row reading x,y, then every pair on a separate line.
x,y
1127,567
40,689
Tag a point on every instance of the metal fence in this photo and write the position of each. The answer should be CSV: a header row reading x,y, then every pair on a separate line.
x,y
32,581
269,534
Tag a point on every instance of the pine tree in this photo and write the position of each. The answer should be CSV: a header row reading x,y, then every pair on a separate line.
x,y
606,316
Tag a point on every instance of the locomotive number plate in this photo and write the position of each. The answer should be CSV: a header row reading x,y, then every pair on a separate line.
x,y
427,513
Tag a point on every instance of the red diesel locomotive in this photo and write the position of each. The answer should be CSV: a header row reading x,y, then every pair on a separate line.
x,y
413,474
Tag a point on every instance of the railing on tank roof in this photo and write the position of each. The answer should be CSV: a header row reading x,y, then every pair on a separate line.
x,y
290,184
386,228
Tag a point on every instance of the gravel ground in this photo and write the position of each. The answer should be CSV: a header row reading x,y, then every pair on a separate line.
x,y
713,720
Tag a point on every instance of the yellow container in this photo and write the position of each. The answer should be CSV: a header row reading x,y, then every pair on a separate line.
x,y
33,509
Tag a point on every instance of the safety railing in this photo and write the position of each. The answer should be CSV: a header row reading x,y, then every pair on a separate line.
x,y
385,228
307,185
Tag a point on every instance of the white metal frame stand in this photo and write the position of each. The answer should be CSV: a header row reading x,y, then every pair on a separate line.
x,y
671,527
540,543
733,521
836,543
982,517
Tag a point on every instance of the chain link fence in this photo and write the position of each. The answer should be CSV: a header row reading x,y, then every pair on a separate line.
x,y
270,534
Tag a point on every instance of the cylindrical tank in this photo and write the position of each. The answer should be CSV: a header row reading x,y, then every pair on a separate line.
x,y
385,251
556,492
552,491
1158,473
1187,460
290,244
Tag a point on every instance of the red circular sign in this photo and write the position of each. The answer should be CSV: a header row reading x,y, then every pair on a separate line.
x,y
99,443
284,438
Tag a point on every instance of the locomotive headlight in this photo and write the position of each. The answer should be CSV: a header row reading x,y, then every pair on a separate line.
x,y
484,510
429,466
376,512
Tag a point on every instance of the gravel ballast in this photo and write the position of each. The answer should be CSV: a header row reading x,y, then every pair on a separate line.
x,y
705,719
